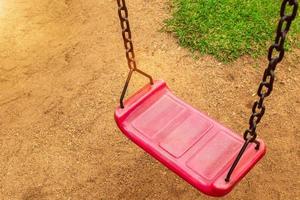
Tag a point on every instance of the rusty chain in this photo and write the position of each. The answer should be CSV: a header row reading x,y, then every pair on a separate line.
x,y
126,33
127,38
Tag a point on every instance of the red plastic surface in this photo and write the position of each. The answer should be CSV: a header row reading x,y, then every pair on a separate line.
x,y
194,146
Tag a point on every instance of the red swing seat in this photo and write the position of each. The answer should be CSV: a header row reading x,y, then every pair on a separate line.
x,y
194,146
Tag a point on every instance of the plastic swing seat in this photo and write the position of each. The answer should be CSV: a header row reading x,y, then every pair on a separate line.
x,y
194,146
206,154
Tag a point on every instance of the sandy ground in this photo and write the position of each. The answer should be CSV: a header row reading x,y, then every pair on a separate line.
x,y
62,67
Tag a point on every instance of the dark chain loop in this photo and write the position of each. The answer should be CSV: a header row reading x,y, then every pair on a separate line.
x,y
126,34
266,86
294,4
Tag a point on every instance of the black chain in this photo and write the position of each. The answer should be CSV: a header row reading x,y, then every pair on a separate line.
x,y
126,33
266,86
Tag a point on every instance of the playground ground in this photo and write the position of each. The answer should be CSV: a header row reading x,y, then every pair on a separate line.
x,y
62,68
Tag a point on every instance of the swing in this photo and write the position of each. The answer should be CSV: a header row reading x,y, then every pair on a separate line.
x,y
203,152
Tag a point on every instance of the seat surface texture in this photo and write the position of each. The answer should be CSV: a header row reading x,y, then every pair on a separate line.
x,y
188,142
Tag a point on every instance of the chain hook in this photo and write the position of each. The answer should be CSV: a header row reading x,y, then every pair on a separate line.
x,y
126,34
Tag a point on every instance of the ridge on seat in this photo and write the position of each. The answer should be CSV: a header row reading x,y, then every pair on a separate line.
x,y
194,146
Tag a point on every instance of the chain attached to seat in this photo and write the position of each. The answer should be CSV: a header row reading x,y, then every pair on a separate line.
x,y
126,33
266,86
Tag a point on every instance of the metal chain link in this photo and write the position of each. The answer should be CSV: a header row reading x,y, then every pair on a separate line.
x,y
126,33
266,86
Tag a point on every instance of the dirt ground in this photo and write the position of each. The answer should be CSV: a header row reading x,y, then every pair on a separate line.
x,y
62,68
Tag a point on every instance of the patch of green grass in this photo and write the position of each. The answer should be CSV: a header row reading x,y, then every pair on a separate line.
x,y
227,29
